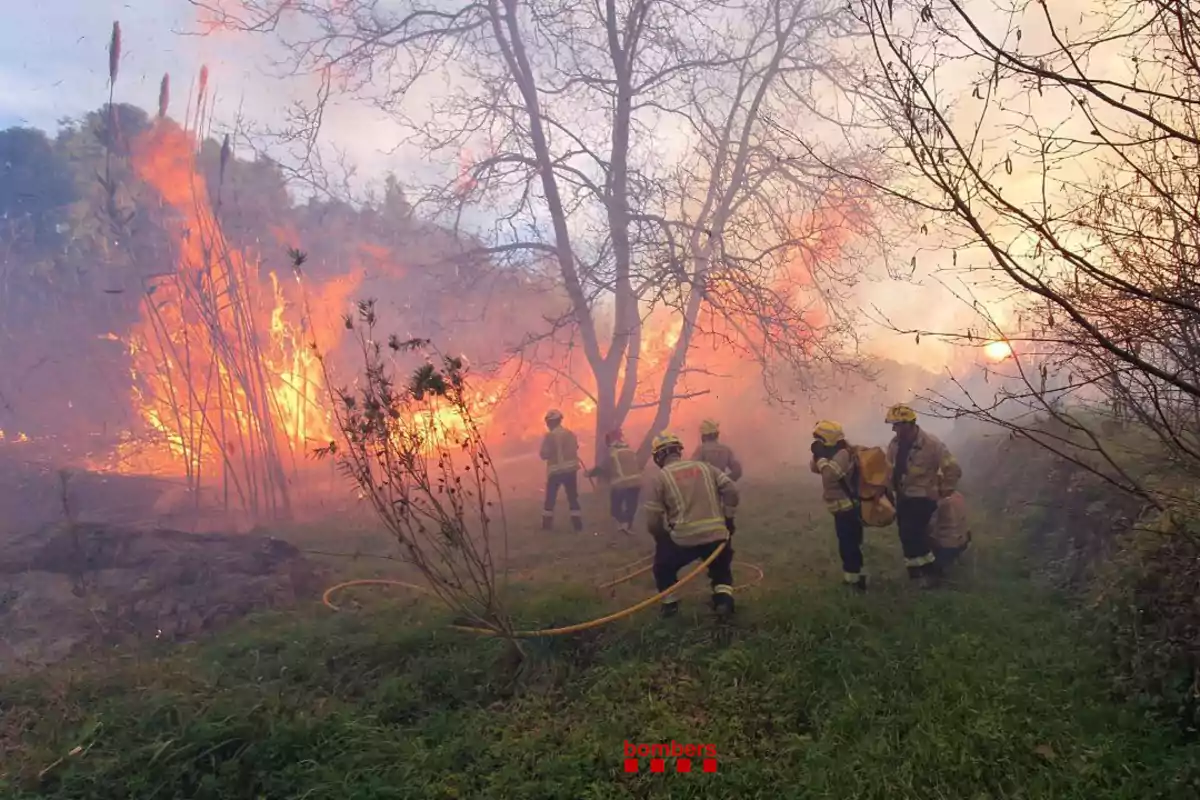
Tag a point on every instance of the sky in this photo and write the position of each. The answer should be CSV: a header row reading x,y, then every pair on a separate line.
x,y
53,64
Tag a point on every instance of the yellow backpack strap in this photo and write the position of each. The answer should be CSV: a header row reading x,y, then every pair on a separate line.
x,y
855,469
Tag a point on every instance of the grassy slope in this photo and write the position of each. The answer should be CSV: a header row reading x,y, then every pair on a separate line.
x,y
985,690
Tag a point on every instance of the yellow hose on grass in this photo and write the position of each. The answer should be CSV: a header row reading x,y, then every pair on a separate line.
x,y
648,567
582,626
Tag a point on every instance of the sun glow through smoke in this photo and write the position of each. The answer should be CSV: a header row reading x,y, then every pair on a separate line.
x,y
998,350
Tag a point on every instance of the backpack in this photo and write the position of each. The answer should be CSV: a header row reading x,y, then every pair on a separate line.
x,y
871,486
950,528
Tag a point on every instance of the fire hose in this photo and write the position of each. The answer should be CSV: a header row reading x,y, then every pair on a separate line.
x,y
582,626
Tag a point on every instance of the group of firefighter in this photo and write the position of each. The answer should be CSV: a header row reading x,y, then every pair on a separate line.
x,y
692,501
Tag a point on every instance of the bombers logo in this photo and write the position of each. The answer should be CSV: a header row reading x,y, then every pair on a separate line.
x,y
683,756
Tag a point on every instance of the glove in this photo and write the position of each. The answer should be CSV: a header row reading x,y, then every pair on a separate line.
x,y
729,526
817,449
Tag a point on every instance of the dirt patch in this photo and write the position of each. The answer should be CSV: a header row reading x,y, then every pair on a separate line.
x,y
68,587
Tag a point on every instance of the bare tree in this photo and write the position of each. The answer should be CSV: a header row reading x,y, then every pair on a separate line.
x,y
652,154
1060,158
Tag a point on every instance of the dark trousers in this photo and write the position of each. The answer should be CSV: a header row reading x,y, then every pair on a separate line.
x,y
624,503
948,555
849,528
913,515
669,558
569,482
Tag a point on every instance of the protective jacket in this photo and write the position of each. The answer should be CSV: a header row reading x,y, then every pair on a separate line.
x,y
720,456
623,467
692,499
834,471
560,451
930,470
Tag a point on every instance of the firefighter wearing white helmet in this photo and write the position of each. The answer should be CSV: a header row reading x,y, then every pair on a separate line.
x,y
560,451
833,459
689,512
923,471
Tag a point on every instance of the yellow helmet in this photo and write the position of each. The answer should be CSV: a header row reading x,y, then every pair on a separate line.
x,y
553,414
829,433
664,442
708,427
900,413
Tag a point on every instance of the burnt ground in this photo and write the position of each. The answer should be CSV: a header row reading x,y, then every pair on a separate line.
x,y
120,571
68,587
93,561
34,494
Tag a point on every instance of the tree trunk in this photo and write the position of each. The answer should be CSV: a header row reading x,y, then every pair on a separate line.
x,y
607,417
615,388
670,380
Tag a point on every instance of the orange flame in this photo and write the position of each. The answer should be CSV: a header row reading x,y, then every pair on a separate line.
x,y
222,356
222,363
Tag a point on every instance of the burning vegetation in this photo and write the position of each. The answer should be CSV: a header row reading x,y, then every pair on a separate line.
x,y
224,372
219,383
672,207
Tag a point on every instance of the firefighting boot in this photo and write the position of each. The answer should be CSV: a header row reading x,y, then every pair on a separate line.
x,y
931,576
669,609
723,604
918,568
855,581
577,523
547,522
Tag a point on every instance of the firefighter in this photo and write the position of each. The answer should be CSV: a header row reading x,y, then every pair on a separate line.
x,y
719,454
832,459
923,471
625,480
690,513
560,451
712,451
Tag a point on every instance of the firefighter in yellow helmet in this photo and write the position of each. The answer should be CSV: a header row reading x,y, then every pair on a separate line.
x,y
690,513
923,472
560,451
833,460
719,454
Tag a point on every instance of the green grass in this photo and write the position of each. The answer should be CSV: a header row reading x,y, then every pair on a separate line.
x,y
984,690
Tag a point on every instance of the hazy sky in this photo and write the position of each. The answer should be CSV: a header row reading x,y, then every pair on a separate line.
x,y
53,55
54,63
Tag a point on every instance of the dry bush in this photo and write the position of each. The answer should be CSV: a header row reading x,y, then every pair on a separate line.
x,y
414,451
